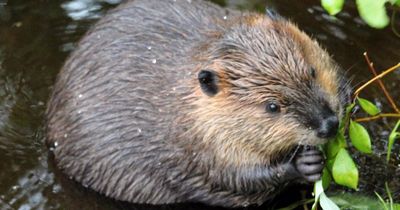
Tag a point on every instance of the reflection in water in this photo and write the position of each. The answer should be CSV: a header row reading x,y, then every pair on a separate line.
x,y
35,38
85,9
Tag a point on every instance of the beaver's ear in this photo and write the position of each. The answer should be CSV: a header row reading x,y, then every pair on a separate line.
x,y
208,80
273,14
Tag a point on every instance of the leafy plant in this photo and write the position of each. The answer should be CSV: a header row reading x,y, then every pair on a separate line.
x,y
340,164
392,137
385,205
373,12
359,202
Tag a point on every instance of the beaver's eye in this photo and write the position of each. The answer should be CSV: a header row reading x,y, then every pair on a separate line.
x,y
312,72
208,82
272,107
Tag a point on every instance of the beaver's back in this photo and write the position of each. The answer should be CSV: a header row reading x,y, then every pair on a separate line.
x,y
115,98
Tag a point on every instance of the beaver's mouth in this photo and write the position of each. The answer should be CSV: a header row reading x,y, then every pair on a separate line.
x,y
313,141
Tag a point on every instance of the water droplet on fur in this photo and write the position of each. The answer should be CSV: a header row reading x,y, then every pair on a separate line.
x,y
12,201
159,163
160,110
190,1
246,204
79,112
194,153
65,135
139,130
55,144
56,188
15,187
174,88
278,175
80,96
51,149
154,61
149,47
225,17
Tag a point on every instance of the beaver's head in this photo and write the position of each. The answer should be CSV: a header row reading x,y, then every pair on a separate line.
x,y
266,88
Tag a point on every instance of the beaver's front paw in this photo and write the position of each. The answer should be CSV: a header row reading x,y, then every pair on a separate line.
x,y
310,163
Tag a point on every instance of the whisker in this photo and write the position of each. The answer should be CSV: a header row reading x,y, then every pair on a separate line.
x,y
352,66
295,151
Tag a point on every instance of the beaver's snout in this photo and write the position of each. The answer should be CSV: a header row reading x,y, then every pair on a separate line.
x,y
328,126
322,120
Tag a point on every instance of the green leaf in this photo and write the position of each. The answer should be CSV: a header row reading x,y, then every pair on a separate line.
x,y
359,137
389,195
396,206
395,2
393,136
326,178
318,189
326,203
333,146
332,6
373,12
344,170
353,201
329,163
346,117
383,203
368,106
349,108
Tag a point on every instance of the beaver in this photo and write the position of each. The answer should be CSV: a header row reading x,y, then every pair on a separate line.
x,y
184,101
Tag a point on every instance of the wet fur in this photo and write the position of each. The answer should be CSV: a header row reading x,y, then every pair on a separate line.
x,y
133,123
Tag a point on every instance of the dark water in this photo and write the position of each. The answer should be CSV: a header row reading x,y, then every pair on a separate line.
x,y
37,35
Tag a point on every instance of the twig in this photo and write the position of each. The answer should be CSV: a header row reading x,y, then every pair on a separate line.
x,y
376,78
304,196
388,96
364,119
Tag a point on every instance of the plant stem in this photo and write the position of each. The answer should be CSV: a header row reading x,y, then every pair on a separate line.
x,y
364,119
388,96
393,22
376,78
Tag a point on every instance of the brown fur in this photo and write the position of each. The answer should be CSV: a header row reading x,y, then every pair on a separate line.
x,y
128,118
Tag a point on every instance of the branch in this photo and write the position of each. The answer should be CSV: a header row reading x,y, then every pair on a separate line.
x,y
388,96
379,76
365,119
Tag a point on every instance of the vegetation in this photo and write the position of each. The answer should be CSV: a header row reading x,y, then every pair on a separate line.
x,y
340,166
373,12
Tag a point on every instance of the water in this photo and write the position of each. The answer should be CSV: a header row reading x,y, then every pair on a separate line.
x,y
36,36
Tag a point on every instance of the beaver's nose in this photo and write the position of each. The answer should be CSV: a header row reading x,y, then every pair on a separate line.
x,y
328,127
